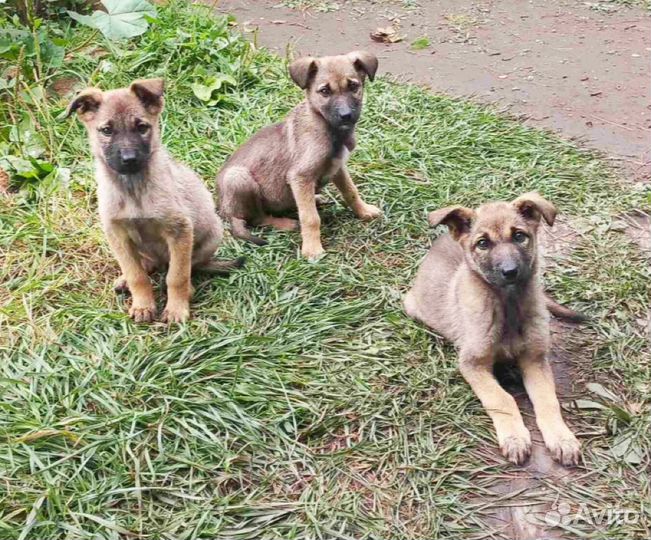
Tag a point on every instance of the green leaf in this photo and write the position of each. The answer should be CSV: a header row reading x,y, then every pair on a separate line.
x,y
205,91
202,91
420,43
122,18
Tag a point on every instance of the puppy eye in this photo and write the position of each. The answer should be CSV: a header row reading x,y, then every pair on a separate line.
x,y
142,128
324,91
520,237
482,243
106,130
353,86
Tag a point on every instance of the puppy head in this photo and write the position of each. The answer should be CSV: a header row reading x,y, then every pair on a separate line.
x,y
334,85
499,239
122,124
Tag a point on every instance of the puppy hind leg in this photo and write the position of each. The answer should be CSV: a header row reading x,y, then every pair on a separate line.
x,y
239,230
281,223
220,268
120,285
241,202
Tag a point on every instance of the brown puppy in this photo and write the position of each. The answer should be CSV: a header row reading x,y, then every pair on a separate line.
x,y
480,287
155,211
285,166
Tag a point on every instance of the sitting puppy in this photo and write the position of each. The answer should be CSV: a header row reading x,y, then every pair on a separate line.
x,y
285,166
155,212
480,287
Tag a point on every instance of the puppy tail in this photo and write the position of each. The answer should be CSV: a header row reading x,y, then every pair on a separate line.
x,y
239,230
221,268
563,312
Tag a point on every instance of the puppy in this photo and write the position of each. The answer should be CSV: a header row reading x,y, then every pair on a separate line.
x,y
480,287
155,212
285,166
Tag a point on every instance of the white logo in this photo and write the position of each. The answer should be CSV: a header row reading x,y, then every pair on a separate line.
x,y
563,514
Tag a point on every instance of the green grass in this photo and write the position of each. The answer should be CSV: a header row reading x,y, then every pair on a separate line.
x,y
300,401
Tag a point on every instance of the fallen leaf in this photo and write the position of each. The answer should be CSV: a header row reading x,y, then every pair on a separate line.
x,y
601,391
589,404
386,35
627,450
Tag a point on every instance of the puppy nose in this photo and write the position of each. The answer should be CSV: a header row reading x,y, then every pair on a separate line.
x,y
345,114
509,272
128,156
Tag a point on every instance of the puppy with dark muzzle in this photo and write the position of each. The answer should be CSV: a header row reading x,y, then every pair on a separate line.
x,y
155,211
284,167
480,286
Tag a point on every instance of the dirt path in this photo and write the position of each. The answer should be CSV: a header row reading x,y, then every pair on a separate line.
x,y
561,64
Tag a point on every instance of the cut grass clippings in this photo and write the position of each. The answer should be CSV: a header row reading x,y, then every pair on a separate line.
x,y
300,401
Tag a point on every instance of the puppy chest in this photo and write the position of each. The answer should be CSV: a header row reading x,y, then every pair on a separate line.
x,y
335,164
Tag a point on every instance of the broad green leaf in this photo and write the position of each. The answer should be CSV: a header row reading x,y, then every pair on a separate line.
x,y
122,18
205,91
202,91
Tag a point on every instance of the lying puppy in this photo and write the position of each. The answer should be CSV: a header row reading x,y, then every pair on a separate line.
x,y
155,212
480,287
285,166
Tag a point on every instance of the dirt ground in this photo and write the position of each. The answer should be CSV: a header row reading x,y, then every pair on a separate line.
x,y
575,67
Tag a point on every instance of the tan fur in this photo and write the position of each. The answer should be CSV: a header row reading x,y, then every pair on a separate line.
x,y
453,295
160,217
284,166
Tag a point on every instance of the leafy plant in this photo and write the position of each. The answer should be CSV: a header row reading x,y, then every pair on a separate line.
x,y
208,92
38,48
122,19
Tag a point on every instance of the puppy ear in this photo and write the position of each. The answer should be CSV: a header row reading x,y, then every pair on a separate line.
x,y
302,70
150,93
457,218
532,206
364,61
85,104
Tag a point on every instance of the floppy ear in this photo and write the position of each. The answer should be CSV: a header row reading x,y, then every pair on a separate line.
x,y
85,104
364,61
150,93
532,206
302,71
457,218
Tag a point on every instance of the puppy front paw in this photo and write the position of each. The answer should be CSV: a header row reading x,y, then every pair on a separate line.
x,y
312,252
176,313
517,447
142,312
565,449
368,212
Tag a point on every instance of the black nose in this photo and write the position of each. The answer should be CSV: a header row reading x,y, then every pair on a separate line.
x,y
128,156
346,115
509,272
